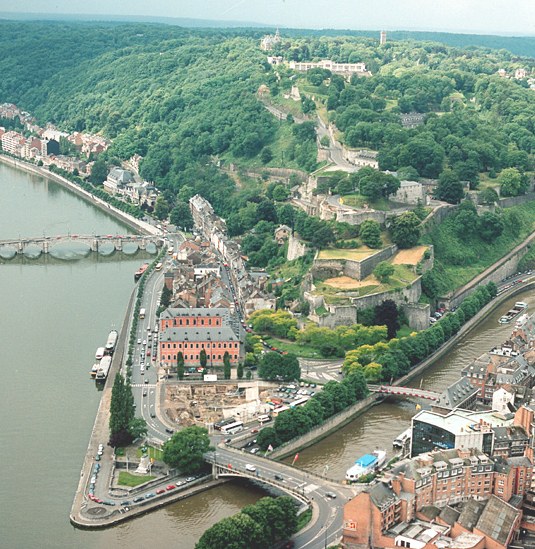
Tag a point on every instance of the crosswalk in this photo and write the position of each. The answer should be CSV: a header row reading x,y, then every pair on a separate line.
x,y
148,385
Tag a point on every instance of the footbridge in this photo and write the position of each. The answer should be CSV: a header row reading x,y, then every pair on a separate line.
x,y
404,391
94,242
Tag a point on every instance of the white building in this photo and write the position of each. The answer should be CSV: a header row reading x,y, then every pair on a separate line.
x,y
343,68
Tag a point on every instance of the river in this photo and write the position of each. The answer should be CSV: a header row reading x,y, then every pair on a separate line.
x,y
56,312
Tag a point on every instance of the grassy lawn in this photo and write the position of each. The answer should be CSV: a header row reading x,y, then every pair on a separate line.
x,y
127,479
287,105
291,347
352,253
303,519
359,201
153,453
404,331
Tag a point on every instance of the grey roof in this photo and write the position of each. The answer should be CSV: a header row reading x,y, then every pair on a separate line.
x,y
449,515
470,513
381,494
497,520
173,312
457,393
197,333
121,176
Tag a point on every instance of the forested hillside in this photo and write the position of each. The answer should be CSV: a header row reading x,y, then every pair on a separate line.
x,y
182,98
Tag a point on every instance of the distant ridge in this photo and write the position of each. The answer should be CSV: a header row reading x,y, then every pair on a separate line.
x,y
518,45
179,21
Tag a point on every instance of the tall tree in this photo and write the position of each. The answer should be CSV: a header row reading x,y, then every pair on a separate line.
x,y
186,448
180,365
387,314
449,188
226,366
405,230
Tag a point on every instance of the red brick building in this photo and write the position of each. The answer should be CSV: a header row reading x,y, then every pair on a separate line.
x,y
438,486
189,331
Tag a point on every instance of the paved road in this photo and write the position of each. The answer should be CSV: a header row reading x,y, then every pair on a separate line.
x,y
329,510
335,149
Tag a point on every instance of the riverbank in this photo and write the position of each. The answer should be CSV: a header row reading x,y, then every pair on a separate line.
x,y
137,224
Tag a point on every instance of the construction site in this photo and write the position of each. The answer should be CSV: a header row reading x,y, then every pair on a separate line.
x,y
204,403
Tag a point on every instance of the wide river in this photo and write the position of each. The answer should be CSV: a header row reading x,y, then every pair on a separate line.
x,y
56,311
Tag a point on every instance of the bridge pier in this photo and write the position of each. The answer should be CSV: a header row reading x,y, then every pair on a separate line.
x,y
45,247
94,245
142,244
20,247
119,245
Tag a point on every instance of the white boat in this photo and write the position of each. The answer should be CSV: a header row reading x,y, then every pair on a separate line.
x,y
94,370
366,464
100,353
401,439
103,368
111,342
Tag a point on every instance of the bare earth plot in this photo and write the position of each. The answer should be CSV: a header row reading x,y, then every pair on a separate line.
x,y
357,254
409,257
347,283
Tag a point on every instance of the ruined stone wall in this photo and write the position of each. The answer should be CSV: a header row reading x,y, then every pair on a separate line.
x,y
296,248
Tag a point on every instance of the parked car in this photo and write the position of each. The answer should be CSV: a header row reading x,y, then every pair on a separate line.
x,y
250,467
160,491
170,487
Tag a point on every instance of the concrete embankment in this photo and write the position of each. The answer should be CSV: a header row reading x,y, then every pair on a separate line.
x,y
131,221
100,433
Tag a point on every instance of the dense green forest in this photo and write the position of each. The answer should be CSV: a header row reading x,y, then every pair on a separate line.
x,y
185,99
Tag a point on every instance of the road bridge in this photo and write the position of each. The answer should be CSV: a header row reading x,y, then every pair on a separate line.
x,y
93,242
404,391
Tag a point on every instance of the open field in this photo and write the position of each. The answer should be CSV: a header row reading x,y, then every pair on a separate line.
x,y
355,200
356,254
411,256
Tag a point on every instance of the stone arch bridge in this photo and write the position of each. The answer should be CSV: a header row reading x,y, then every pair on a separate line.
x,y
94,242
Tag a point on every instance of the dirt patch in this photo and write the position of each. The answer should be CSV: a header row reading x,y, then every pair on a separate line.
x,y
356,254
409,257
347,283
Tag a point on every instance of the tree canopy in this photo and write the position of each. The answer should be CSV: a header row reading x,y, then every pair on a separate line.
x,y
186,448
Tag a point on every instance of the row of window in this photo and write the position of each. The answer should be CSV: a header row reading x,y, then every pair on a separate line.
x,y
219,357
193,322
219,345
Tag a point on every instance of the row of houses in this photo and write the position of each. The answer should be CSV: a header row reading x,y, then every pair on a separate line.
x,y
249,286
123,183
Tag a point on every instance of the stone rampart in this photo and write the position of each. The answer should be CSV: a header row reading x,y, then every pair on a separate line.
x,y
368,265
417,315
503,268
296,248
410,294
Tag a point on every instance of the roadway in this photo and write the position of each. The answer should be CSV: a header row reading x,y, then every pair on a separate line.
x,y
328,509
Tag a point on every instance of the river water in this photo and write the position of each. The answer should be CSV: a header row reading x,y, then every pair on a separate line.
x,y
56,311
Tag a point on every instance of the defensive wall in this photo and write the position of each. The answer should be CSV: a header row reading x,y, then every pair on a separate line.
x,y
296,248
503,268
326,268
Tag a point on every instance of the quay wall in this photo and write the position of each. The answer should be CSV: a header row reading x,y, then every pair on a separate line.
x,y
131,221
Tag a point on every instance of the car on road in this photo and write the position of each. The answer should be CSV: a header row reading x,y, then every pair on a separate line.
x,y
254,431
330,495
278,477
125,503
146,380
160,491
108,502
170,487
139,341
138,499
150,495
170,431
190,479
152,414
148,351
254,450
144,342
250,467
144,392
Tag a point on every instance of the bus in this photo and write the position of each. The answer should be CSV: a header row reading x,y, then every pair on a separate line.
x,y
141,313
278,411
232,428
159,266
223,422
298,402
264,419
170,250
